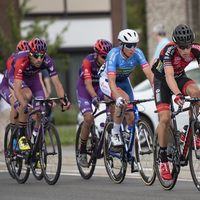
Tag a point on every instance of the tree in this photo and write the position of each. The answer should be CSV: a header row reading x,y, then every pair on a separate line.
x,y
136,17
8,44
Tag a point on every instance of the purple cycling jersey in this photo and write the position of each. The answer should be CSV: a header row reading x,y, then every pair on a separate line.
x,y
89,69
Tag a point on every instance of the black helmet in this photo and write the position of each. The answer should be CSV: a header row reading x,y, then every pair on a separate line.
x,y
183,34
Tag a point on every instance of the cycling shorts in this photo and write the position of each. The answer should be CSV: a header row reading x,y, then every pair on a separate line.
x,y
84,98
4,90
33,83
124,85
162,92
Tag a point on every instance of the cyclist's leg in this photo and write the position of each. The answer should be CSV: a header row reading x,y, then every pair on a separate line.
x,y
162,98
190,88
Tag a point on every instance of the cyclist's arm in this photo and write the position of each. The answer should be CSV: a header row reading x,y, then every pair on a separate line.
x,y
89,88
149,74
113,87
169,73
59,90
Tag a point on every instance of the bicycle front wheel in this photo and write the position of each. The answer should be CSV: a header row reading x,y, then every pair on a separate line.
x,y
114,158
7,138
50,154
194,159
166,184
143,144
86,172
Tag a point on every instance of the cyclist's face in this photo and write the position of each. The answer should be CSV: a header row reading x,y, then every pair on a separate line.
x,y
36,61
129,51
184,50
101,59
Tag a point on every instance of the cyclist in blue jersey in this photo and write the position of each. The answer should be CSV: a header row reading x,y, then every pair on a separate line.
x,y
114,78
88,91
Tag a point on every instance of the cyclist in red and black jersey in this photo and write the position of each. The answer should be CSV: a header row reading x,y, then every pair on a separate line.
x,y
170,77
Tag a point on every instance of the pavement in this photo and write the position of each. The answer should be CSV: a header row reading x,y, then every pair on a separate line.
x,y
69,166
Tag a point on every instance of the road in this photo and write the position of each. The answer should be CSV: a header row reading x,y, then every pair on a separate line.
x,y
71,186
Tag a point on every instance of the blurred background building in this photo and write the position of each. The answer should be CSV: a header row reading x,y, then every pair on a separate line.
x,y
89,20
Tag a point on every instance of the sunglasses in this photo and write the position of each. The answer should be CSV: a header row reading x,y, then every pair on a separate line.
x,y
103,56
38,55
130,45
182,47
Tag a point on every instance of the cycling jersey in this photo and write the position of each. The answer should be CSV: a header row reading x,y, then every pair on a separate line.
x,y
8,65
169,56
117,65
21,66
89,69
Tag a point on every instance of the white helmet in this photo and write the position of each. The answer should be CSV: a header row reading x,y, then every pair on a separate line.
x,y
128,36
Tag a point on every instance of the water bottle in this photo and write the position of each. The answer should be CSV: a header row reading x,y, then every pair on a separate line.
x,y
101,128
34,135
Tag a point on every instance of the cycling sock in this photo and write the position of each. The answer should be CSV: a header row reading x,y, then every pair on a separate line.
x,y
22,128
83,146
163,153
116,128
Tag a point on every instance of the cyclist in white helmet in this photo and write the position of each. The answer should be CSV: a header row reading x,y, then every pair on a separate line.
x,y
114,78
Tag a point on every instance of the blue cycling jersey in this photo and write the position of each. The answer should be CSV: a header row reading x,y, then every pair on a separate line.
x,y
117,65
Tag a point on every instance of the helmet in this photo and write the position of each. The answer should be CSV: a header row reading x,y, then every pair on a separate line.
x,y
128,36
102,46
23,45
37,45
183,34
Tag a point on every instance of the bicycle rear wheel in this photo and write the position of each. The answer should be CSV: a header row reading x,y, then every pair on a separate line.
x,y
143,144
18,159
7,138
86,172
114,158
194,160
166,184
50,154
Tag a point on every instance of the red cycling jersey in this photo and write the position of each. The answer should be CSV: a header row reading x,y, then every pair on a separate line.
x,y
169,56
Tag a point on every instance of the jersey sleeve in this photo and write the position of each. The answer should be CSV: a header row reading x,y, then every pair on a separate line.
x,y
87,69
141,58
111,63
20,65
49,65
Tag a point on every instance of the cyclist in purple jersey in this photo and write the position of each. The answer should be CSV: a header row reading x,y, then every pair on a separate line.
x,y
114,77
88,91
5,92
25,74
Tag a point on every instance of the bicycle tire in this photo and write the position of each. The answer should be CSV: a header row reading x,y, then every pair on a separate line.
x,y
19,168
86,172
166,184
50,154
144,153
7,138
194,160
115,162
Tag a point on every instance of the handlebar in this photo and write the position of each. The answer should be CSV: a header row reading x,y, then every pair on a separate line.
x,y
108,103
135,102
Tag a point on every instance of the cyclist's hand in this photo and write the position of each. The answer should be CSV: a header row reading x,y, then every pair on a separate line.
x,y
180,99
120,102
65,107
16,105
27,108
95,101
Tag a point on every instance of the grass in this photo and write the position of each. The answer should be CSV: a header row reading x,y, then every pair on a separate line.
x,y
67,134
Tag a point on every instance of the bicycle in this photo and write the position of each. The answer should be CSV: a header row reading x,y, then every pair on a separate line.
x,y
179,156
116,158
94,147
46,149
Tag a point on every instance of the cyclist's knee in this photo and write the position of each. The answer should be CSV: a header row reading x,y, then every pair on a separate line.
x,y
88,119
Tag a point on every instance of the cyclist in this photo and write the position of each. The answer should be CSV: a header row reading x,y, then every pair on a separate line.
x,y
25,74
6,94
170,77
88,91
114,79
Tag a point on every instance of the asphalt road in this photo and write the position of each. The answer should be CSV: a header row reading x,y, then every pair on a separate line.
x,y
72,186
